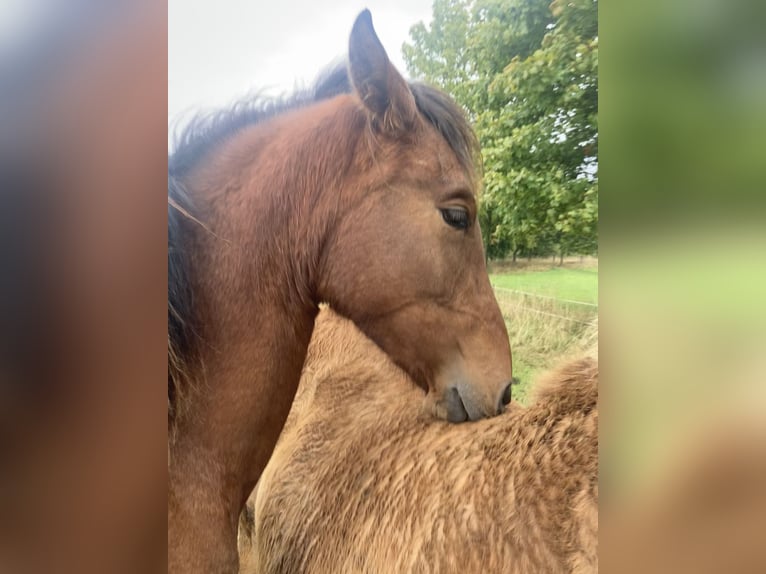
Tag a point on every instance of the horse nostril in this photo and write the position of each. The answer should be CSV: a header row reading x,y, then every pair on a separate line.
x,y
506,398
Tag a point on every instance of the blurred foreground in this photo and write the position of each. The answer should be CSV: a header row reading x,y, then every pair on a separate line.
x,y
683,436
83,468
683,277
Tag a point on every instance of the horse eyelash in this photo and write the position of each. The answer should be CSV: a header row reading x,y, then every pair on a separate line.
x,y
451,218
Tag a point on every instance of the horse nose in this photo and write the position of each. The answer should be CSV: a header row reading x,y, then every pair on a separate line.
x,y
456,411
505,399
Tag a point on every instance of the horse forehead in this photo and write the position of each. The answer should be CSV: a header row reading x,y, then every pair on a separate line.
x,y
432,147
432,161
440,172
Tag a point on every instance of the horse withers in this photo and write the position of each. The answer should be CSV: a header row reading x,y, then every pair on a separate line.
x,y
360,192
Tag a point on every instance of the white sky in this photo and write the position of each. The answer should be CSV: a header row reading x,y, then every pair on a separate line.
x,y
219,50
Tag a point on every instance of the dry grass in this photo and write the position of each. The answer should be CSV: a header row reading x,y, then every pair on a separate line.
x,y
543,331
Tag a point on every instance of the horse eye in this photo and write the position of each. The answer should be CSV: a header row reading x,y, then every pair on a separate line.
x,y
456,217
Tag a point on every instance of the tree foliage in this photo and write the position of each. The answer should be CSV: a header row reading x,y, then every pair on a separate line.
x,y
526,71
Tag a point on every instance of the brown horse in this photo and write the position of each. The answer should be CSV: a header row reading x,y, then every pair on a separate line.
x,y
361,193
362,481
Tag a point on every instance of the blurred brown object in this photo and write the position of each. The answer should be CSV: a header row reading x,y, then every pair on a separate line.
x,y
705,514
82,319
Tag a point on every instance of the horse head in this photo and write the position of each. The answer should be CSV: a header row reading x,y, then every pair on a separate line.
x,y
405,260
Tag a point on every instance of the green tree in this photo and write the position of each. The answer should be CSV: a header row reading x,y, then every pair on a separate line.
x,y
541,134
469,43
439,55
527,72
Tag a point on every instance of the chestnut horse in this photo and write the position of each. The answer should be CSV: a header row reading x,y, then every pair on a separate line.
x,y
363,481
360,193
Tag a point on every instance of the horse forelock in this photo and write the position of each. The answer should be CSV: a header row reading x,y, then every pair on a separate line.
x,y
445,115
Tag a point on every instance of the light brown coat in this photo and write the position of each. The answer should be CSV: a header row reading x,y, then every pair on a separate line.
x,y
364,480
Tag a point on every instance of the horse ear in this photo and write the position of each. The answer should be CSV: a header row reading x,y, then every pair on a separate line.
x,y
381,88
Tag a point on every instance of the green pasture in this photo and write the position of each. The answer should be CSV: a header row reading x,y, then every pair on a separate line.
x,y
562,283
545,320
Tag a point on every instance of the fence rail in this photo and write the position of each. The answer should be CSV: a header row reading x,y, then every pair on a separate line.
x,y
556,315
527,293
581,317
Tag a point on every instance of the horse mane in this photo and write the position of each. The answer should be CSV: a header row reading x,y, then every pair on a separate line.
x,y
204,132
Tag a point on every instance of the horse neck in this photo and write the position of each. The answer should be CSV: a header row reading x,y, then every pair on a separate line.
x,y
268,212
274,199
303,160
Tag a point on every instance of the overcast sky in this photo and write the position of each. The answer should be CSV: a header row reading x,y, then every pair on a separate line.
x,y
219,50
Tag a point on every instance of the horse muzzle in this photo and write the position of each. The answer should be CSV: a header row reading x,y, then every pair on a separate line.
x,y
460,407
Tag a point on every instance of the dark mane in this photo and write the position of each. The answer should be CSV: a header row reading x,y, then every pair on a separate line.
x,y
206,130
203,133
450,121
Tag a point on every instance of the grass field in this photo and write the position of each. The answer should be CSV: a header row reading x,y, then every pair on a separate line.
x,y
550,313
562,283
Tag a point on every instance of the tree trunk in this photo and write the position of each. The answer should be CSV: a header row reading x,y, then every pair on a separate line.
x,y
561,259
